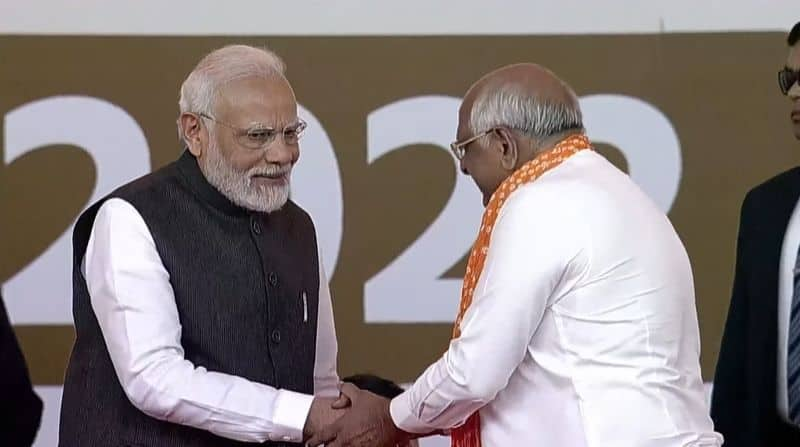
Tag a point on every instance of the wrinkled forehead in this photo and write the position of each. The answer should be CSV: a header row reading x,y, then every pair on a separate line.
x,y
250,101
462,131
464,116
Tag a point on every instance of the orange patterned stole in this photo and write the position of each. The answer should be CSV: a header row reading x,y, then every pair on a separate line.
x,y
469,434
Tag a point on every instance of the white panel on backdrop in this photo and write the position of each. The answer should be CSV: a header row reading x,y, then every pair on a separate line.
x,y
409,17
41,292
317,187
435,441
48,428
409,289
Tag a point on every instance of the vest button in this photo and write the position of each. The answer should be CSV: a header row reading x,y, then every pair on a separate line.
x,y
273,279
276,336
256,226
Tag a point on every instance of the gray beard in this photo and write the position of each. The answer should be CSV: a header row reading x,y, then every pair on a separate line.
x,y
238,187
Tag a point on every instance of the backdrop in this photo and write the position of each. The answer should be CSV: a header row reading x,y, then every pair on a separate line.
x,y
694,116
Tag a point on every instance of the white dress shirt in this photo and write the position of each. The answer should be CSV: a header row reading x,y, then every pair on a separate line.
x,y
135,306
791,242
582,331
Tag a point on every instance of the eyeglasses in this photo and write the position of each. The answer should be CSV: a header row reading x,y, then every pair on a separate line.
x,y
261,136
787,78
459,148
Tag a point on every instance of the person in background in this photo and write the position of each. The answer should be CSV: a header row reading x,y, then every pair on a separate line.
x,y
20,407
755,400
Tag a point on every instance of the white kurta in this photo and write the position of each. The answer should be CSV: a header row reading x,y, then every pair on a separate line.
x,y
135,306
582,330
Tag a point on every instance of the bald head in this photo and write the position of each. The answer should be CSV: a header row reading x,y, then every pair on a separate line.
x,y
509,117
530,78
527,98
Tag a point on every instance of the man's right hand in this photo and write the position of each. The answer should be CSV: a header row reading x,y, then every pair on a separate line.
x,y
321,415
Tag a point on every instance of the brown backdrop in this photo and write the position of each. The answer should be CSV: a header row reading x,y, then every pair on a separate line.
x,y
718,90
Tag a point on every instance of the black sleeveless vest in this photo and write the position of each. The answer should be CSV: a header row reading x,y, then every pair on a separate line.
x,y
239,280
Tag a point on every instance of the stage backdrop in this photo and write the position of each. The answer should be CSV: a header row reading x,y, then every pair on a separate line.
x,y
695,118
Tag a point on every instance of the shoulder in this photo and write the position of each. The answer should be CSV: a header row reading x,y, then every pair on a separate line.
x,y
119,206
299,221
765,194
297,213
556,194
774,185
149,183
541,207
128,194
117,210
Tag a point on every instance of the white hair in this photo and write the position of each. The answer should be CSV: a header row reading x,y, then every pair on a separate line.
x,y
517,108
199,95
220,67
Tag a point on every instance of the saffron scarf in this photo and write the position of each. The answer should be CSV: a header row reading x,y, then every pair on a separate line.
x,y
469,434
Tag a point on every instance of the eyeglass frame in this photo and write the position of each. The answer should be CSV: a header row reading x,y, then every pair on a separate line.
x,y
300,126
459,148
786,90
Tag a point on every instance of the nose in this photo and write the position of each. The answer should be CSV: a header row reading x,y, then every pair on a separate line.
x,y
794,91
281,153
462,167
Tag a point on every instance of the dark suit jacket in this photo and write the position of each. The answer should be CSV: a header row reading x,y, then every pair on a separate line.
x,y
744,403
20,407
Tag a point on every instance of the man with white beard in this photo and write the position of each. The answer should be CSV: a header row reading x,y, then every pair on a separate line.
x,y
202,313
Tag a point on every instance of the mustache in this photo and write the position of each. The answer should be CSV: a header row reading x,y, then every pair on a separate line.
x,y
270,171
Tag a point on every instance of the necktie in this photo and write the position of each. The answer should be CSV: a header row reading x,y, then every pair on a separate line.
x,y
793,354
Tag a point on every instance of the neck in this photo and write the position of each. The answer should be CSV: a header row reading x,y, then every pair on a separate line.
x,y
551,141
544,145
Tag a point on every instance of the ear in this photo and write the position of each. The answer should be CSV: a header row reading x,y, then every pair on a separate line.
x,y
193,132
509,148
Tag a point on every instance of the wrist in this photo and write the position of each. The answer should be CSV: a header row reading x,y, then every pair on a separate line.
x,y
291,413
308,426
399,435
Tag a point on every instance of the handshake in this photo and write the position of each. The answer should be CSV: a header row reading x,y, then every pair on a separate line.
x,y
359,417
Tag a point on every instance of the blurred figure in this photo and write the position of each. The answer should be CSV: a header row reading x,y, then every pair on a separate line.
x,y
756,395
20,407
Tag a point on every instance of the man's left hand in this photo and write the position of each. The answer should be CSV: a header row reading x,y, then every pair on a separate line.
x,y
366,424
